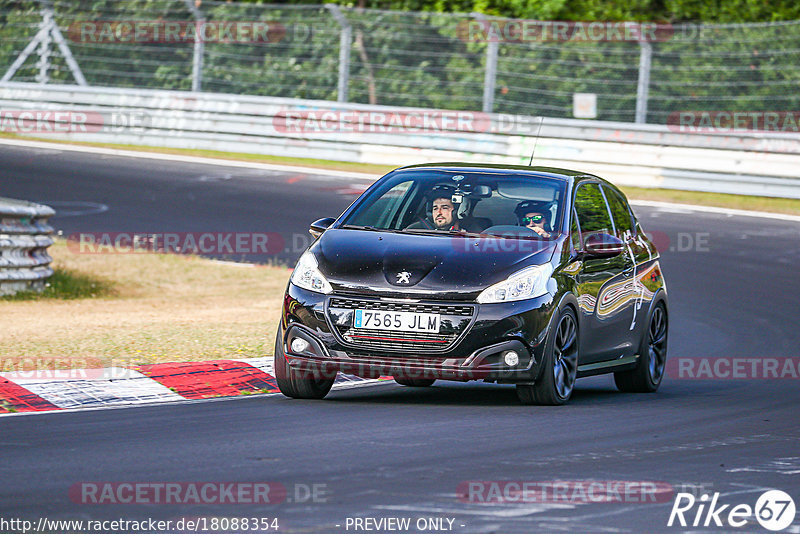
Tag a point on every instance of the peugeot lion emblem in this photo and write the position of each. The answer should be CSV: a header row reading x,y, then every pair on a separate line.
x,y
404,277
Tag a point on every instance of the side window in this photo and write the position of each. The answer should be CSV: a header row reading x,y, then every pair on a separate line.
x,y
621,213
384,211
592,211
575,232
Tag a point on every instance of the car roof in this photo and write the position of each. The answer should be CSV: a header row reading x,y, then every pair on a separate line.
x,y
568,175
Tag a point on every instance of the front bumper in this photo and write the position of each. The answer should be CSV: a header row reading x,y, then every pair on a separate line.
x,y
474,350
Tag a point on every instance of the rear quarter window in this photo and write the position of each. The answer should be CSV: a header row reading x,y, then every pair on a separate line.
x,y
623,221
590,206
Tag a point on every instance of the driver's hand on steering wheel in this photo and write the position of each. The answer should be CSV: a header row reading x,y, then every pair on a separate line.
x,y
541,231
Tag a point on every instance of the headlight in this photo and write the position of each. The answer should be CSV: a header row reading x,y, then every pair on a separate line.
x,y
528,283
307,275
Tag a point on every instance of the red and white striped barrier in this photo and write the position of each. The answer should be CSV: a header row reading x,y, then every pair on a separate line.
x,y
35,391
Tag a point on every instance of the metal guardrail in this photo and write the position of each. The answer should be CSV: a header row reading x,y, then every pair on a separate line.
x,y
639,155
639,72
24,238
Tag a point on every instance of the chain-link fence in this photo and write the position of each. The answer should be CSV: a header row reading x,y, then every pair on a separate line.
x,y
429,60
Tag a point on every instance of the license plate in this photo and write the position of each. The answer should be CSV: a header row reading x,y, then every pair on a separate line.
x,y
398,321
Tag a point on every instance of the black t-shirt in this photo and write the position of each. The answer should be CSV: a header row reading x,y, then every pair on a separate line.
x,y
468,225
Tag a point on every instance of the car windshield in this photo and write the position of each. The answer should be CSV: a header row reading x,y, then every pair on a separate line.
x,y
448,202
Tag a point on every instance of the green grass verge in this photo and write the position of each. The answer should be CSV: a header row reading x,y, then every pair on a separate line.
x,y
788,206
753,203
130,309
67,284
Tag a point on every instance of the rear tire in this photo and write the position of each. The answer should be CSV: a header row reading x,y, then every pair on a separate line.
x,y
560,362
415,382
298,384
649,371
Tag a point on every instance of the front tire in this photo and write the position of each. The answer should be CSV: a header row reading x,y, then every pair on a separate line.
x,y
298,384
560,363
649,371
415,382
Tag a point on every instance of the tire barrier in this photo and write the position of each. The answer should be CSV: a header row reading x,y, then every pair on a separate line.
x,y
25,236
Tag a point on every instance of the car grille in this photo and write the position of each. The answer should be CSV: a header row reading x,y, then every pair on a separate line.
x,y
443,309
455,319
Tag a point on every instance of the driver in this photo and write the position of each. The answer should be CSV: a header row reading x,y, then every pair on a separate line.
x,y
534,215
443,212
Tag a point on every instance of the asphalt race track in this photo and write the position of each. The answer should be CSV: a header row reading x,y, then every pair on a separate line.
x,y
389,451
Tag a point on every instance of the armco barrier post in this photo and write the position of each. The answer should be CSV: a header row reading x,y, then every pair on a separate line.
x,y
490,75
345,43
198,50
643,86
24,238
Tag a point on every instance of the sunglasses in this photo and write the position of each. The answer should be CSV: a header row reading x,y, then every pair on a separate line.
x,y
534,219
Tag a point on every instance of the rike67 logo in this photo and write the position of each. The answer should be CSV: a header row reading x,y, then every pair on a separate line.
x,y
774,510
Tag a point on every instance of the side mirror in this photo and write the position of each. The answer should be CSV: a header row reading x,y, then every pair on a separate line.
x,y
319,226
603,245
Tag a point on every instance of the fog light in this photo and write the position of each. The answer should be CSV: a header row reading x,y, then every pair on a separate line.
x,y
511,358
299,345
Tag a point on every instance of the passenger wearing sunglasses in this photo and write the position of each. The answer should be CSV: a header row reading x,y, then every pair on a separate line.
x,y
534,215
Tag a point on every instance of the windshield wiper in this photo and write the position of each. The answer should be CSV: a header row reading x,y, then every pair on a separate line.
x,y
433,231
358,227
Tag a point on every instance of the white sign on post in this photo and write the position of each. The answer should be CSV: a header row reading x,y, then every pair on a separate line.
x,y
584,105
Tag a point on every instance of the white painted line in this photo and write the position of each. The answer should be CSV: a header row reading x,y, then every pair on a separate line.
x,y
70,208
683,208
782,466
343,381
190,159
491,511
640,507
347,382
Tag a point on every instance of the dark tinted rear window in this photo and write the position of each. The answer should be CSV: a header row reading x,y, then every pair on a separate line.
x,y
620,212
591,209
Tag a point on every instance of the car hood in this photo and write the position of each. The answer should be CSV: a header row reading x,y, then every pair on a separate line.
x,y
406,265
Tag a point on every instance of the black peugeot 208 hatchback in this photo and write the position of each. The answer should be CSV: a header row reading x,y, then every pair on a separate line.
x,y
519,275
